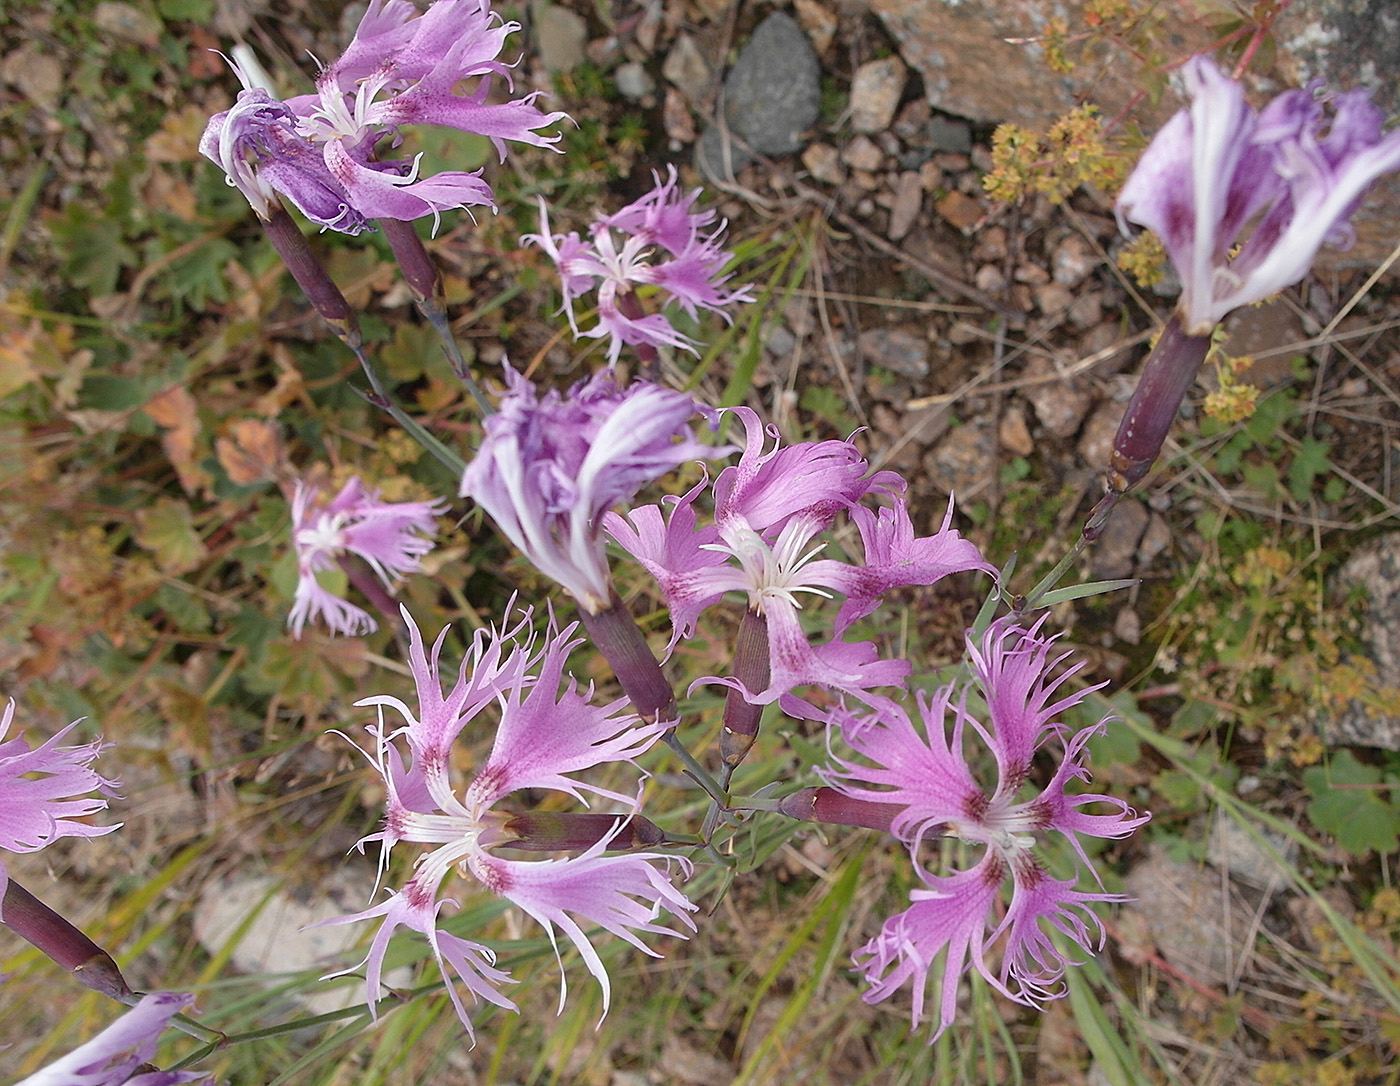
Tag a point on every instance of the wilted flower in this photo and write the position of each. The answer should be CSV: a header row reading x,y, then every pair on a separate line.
x,y
45,789
927,773
118,1055
769,509
1218,166
690,274
551,465
391,537
323,151
545,735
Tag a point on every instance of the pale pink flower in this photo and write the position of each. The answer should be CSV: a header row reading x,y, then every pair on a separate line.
x,y
392,537
926,771
656,241
116,1055
546,735
45,790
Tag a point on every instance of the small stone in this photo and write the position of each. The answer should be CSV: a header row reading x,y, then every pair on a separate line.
x,y
633,81
1032,275
908,198
894,349
1127,626
1375,569
818,21
1086,310
875,93
963,462
948,134
989,279
1235,849
1096,440
1112,556
953,163
1074,259
1014,433
561,34
823,162
1053,299
866,180
1155,540
677,119
991,245
38,76
931,176
862,154
1060,403
127,23
686,70
960,211
912,121
779,341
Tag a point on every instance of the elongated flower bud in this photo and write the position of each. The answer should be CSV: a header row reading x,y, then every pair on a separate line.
x,y
556,831
824,804
753,668
32,920
1169,372
615,633
315,282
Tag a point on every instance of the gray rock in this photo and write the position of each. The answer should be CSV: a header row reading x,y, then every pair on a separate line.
x,y
687,69
1235,849
949,134
1060,403
1374,568
561,35
894,349
1112,556
633,81
772,95
1196,926
963,461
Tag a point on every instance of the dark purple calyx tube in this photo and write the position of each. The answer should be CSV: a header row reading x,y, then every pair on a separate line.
x,y
1168,374
315,282
32,920
823,804
554,831
419,271
631,307
753,668
618,637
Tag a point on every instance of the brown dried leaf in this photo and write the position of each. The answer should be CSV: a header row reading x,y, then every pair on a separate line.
x,y
176,412
252,453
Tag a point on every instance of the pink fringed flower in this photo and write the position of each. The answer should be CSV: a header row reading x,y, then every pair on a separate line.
x,y
624,252
117,1055
44,790
552,465
329,152
546,735
770,508
391,537
1219,166
928,774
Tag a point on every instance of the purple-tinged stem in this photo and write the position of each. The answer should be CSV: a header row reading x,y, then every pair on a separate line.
x,y
372,588
424,279
752,668
631,308
549,831
91,966
823,804
1170,370
618,637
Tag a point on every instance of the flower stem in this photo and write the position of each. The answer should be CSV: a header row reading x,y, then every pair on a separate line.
x,y
423,278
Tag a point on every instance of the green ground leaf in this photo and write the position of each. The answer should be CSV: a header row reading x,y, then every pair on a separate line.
x,y
1350,804
166,529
